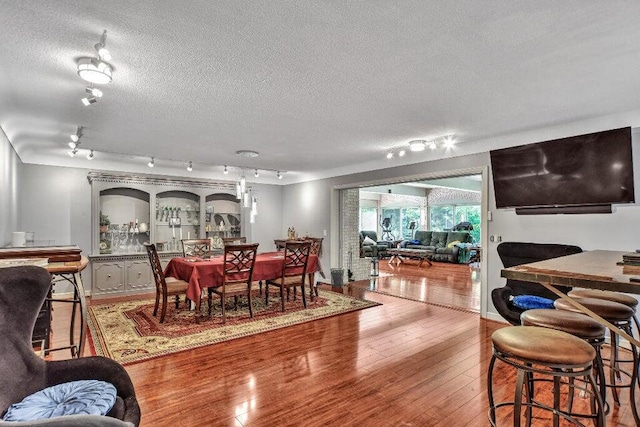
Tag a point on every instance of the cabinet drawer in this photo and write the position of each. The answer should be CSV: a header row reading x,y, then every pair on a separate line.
x,y
108,277
138,275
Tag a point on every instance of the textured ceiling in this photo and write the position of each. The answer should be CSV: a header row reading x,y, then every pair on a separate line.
x,y
319,88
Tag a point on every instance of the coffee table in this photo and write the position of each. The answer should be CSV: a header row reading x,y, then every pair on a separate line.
x,y
399,254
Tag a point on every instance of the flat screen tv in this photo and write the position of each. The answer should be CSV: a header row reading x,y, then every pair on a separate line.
x,y
595,169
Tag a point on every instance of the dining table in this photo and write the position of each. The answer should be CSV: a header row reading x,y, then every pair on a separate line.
x,y
597,269
203,273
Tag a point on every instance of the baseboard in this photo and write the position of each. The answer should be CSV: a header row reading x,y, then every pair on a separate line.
x,y
496,318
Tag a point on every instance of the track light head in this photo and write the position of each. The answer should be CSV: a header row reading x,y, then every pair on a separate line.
x,y
73,145
90,155
256,174
152,162
389,155
225,170
73,152
94,91
190,166
89,100
101,47
279,175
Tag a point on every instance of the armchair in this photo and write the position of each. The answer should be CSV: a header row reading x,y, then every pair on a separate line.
x,y
517,253
376,249
22,291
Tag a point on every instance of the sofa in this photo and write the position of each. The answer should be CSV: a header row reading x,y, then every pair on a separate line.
x,y
444,244
375,250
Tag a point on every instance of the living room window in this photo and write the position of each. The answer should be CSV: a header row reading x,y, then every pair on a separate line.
x,y
401,219
444,217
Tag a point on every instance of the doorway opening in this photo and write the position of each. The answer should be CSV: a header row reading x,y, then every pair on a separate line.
x,y
444,214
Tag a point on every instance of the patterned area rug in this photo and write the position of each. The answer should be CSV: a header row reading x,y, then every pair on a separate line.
x,y
128,332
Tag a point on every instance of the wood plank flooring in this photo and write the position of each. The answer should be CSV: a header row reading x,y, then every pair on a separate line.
x,y
404,363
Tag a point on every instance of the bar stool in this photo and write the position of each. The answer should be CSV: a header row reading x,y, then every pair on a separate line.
x,y
620,315
578,325
535,350
619,297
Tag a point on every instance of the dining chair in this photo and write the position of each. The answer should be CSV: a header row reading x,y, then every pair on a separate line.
x,y
164,286
294,270
196,247
239,261
315,249
234,240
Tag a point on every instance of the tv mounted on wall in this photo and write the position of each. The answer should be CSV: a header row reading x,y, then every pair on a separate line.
x,y
579,174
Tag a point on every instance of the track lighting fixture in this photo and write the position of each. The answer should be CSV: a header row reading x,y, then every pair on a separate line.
x,y
94,71
90,155
389,155
432,145
225,171
73,145
152,162
190,166
76,136
256,174
449,141
89,100
94,91
279,175
73,152
101,47
417,145
401,153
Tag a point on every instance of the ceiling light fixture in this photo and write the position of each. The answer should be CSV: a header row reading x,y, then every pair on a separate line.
x,y
417,145
94,71
449,141
279,175
247,153
401,153
101,47
190,166
226,170
432,145
90,155
73,152
94,91
256,173
389,155
73,145
76,136
89,100
152,162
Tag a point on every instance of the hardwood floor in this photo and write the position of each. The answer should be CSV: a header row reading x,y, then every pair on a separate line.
x,y
404,363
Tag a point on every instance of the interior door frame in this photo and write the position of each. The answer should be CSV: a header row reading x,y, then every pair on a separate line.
x,y
336,226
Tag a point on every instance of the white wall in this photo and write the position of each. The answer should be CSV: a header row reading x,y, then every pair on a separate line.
x,y
10,166
617,231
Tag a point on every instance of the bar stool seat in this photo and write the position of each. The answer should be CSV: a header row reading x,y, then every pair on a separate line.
x,y
577,324
609,310
618,297
542,351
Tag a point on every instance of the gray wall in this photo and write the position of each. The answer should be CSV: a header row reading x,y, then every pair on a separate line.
x,y
10,167
307,205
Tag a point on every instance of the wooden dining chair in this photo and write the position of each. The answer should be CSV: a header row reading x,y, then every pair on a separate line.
x,y
164,287
234,240
239,261
294,271
315,249
196,247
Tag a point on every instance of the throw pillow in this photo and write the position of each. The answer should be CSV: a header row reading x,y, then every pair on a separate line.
x,y
368,241
452,244
530,302
415,242
86,397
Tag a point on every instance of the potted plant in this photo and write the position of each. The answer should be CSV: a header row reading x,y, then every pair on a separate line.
x,y
104,222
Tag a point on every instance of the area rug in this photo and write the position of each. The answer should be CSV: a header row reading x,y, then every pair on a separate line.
x,y
128,332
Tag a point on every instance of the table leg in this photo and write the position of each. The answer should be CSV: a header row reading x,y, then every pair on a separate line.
x,y
79,290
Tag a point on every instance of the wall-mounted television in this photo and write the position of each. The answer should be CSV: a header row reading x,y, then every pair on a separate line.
x,y
592,170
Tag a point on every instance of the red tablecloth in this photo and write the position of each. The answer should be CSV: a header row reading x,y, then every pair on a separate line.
x,y
208,273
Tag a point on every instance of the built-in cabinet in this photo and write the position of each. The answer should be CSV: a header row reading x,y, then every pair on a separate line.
x,y
128,211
